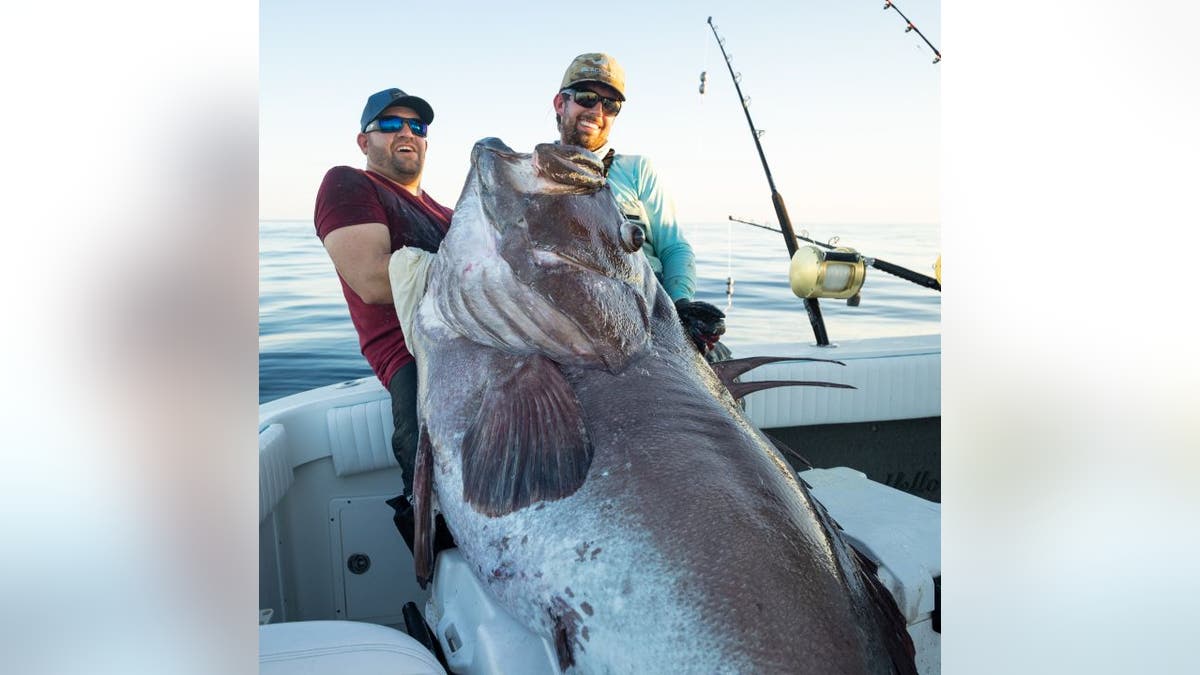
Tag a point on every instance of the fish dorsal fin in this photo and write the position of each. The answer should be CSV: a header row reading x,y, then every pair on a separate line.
x,y
528,442
740,389
729,371
732,369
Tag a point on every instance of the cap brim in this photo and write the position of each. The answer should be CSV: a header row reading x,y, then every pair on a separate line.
x,y
619,93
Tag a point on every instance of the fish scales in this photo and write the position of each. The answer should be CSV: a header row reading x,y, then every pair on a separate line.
x,y
595,472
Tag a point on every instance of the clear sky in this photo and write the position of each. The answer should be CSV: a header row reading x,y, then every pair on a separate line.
x,y
849,101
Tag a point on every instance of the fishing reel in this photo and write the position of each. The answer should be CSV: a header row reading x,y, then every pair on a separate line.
x,y
820,273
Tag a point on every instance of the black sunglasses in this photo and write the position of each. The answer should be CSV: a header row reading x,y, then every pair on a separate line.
x,y
391,124
589,99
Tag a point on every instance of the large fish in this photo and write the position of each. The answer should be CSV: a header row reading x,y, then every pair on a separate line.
x,y
595,471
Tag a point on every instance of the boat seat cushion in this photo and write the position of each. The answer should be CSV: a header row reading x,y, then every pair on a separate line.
x,y
360,436
341,647
887,388
274,469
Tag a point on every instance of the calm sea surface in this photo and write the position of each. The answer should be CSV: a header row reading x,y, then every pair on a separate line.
x,y
306,340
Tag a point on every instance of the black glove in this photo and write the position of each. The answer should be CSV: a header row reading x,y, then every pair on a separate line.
x,y
703,323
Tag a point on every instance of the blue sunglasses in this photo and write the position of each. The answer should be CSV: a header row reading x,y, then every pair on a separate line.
x,y
391,124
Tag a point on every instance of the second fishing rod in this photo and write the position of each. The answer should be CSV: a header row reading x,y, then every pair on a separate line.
x,y
878,263
789,236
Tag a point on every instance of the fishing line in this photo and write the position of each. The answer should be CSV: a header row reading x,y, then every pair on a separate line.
x,y
729,267
729,226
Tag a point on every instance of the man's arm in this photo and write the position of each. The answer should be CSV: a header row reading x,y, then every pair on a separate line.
x,y
673,251
361,254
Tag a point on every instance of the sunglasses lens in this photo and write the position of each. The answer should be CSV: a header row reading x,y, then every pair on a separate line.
x,y
589,99
393,124
390,124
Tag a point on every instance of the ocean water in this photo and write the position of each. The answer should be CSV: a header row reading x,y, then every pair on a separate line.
x,y
306,340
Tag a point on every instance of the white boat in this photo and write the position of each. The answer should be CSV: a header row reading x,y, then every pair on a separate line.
x,y
335,575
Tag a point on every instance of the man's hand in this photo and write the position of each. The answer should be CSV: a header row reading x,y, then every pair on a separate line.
x,y
703,323
408,271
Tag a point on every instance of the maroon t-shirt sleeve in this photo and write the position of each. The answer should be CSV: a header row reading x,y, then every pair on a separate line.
x,y
346,197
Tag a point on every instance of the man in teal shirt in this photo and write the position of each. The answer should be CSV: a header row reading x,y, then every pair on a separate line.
x,y
586,106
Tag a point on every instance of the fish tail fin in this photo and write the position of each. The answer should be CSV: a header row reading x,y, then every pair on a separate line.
x,y
423,511
729,371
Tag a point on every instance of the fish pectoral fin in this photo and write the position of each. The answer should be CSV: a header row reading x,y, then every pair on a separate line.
x,y
528,442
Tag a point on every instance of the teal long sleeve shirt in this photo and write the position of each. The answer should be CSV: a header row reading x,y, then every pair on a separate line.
x,y
642,198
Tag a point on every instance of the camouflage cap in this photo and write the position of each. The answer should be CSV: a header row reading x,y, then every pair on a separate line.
x,y
594,67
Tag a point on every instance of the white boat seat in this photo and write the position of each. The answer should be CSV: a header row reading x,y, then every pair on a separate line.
x,y
360,437
274,469
341,647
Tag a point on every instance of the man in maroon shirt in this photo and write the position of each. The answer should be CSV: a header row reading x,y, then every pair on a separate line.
x,y
363,217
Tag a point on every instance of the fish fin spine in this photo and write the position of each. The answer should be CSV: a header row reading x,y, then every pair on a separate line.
x,y
741,389
731,369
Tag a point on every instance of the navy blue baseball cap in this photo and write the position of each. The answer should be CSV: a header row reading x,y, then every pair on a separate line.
x,y
387,98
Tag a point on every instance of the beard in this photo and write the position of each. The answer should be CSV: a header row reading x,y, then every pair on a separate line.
x,y
571,134
396,165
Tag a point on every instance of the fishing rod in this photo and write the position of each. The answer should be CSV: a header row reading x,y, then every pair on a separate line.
x,y
789,236
888,4
881,265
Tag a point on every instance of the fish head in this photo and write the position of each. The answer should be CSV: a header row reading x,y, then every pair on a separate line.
x,y
561,232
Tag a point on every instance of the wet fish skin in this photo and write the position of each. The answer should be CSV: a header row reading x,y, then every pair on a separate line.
x,y
673,537
526,270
